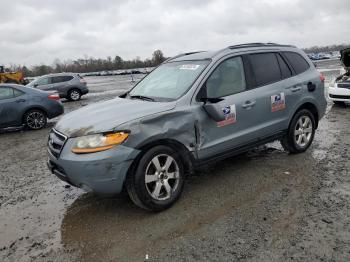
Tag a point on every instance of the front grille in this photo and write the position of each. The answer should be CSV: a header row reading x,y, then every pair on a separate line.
x,y
340,97
56,142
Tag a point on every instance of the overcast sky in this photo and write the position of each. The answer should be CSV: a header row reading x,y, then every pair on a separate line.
x,y
38,31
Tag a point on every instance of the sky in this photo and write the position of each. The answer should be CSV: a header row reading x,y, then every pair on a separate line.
x,y
34,32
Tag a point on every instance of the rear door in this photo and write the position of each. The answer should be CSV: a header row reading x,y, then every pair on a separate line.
x,y
61,83
275,91
12,103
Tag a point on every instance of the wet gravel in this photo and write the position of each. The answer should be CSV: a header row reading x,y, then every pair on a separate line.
x,y
264,205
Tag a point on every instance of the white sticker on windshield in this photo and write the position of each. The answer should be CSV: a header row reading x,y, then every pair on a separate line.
x,y
189,67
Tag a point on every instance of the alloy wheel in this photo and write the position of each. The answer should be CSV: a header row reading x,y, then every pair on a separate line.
x,y
162,177
303,131
35,120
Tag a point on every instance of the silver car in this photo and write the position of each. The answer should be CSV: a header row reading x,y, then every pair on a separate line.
x,y
68,85
193,109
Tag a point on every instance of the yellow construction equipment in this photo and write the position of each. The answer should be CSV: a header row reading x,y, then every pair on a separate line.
x,y
11,77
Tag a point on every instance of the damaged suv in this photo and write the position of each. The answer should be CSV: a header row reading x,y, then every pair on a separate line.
x,y
194,108
339,91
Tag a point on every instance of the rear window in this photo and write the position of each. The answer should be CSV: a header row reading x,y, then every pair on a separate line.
x,y
266,68
298,63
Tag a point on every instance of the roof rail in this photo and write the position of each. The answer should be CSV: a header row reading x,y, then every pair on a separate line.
x,y
257,45
183,54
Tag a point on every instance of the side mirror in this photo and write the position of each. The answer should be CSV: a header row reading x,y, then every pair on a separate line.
x,y
36,85
211,105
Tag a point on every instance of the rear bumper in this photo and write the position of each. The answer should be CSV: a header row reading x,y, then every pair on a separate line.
x,y
84,91
339,94
55,110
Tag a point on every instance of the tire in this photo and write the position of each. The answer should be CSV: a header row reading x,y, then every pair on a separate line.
x,y
74,94
35,119
300,133
156,185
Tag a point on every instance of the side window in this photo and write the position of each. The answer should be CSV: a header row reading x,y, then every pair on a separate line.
x,y
285,70
17,93
266,68
60,79
6,93
67,78
44,81
298,63
227,79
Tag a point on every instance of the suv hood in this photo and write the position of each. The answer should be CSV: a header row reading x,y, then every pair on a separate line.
x,y
105,116
345,58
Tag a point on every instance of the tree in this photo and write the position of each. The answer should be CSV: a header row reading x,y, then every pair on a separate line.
x,y
118,62
157,57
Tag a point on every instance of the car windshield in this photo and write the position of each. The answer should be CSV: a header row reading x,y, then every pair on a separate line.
x,y
169,81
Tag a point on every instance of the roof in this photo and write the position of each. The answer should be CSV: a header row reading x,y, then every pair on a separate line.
x,y
201,55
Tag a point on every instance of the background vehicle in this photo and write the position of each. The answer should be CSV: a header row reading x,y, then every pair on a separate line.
x,y
194,108
68,85
20,105
11,77
339,91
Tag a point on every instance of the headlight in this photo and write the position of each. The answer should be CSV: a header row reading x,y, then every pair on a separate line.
x,y
99,142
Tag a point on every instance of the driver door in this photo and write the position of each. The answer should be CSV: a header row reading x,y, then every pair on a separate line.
x,y
230,114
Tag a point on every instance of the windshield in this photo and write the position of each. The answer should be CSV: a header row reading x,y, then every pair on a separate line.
x,y
169,81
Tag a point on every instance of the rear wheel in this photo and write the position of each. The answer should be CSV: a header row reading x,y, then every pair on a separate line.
x,y
300,133
35,119
74,95
158,180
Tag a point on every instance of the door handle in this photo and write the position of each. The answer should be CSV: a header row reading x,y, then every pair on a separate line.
x,y
295,88
20,100
249,104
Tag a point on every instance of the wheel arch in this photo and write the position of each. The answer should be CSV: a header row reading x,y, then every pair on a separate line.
x,y
73,88
184,154
312,108
33,108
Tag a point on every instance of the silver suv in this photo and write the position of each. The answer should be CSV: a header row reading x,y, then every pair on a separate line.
x,y
194,108
68,85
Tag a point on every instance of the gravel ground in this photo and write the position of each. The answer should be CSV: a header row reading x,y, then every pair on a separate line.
x,y
264,205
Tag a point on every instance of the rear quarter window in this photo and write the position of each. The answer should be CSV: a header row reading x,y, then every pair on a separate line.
x,y
299,64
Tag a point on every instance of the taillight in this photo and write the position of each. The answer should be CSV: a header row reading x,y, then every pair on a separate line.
x,y
54,97
322,78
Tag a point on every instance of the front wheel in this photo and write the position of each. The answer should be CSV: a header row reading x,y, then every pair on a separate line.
x,y
158,180
300,133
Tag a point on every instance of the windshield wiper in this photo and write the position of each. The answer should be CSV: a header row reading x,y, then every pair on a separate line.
x,y
143,97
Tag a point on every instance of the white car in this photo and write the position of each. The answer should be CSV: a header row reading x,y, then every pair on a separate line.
x,y
339,91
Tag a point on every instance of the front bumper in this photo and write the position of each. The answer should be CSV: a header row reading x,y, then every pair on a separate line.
x,y
103,173
339,94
